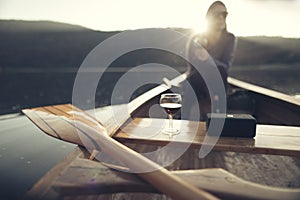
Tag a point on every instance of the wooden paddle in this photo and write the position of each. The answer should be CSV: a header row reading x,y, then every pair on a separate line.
x,y
57,122
95,136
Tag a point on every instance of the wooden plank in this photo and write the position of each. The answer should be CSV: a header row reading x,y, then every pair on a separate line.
x,y
278,140
100,180
81,178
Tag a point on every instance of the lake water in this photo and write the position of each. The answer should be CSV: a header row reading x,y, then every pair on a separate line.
x,y
23,89
26,154
282,78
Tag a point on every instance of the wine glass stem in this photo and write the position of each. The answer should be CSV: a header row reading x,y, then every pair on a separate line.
x,y
170,121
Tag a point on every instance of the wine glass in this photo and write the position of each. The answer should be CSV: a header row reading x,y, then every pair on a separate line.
x,y
171,102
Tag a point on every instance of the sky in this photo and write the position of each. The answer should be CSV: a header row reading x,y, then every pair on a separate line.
x,y
246,17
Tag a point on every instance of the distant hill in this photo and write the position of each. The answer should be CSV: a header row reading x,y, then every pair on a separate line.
x,y
26,44
37,26
267,50
45,44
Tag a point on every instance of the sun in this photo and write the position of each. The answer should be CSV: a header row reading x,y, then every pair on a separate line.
x,y
197,29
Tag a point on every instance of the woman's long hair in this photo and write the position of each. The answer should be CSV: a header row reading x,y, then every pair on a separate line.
x,y
210,10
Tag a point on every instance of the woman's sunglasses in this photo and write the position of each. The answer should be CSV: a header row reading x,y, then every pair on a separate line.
x,y
218,14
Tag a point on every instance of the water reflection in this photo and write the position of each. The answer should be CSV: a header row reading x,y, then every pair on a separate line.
x,y
26,154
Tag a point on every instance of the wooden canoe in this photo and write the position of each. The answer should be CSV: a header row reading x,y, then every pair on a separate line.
x,y
68,186
47,187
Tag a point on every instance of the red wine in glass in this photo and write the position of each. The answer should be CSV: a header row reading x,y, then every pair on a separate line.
x,y
171,108
171,102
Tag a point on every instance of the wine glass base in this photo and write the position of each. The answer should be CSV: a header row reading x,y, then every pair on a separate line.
x,y
171,131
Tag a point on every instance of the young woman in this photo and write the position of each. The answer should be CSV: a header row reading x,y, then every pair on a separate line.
x,y
218,42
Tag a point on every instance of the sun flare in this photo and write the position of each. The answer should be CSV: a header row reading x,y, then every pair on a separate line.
x,y
199,29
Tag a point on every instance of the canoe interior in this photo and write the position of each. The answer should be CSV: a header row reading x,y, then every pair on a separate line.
x,y
79,178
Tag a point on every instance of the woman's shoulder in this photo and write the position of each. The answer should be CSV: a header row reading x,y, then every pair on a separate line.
x,y
229,35
229,38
